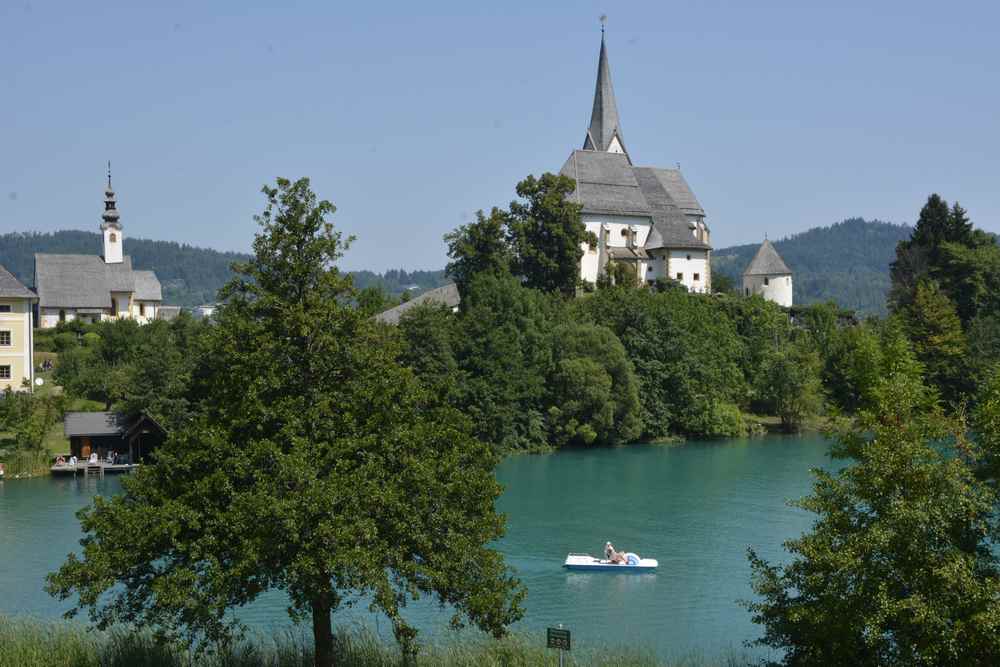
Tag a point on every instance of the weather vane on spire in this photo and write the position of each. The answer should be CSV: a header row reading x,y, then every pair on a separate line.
x,y
109,173
604,21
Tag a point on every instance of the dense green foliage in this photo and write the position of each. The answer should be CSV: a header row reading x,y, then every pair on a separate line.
x,y
901,566
944,289
312,462
847,263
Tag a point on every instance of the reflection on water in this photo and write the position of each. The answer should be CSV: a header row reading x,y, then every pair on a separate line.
x,y
694,507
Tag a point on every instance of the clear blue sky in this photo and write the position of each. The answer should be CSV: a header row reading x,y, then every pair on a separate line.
x,y
410,116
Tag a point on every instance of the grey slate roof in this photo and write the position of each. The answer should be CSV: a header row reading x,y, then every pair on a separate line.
x,y
94,423
86,281
606,183
447,295
604,121
147,287
767,262
11,287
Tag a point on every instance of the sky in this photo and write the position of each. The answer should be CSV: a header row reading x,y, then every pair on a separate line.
x,y
411,116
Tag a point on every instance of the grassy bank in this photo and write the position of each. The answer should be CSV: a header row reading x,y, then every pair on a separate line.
x,y
32,643
18,465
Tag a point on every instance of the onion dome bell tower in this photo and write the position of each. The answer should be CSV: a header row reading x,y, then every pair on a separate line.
x,y
111,227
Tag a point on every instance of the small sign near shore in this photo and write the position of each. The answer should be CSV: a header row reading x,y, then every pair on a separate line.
x,y
558,638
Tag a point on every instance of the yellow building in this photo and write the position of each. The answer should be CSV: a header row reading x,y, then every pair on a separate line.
x,y
17,344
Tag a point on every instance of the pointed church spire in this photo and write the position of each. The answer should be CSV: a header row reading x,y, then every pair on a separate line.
x,y
110,215
605,132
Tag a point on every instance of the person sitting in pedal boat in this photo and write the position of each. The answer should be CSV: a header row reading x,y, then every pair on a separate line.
x,y
612,555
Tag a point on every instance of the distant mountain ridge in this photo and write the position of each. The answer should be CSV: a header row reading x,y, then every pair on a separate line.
x,y
847,262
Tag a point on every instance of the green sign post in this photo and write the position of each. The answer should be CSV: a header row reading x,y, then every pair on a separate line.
x,y
558,638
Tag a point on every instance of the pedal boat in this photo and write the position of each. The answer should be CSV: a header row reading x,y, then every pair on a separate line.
x,y
586,562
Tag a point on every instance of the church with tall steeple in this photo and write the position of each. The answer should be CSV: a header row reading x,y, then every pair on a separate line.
x,y
645,217
96,287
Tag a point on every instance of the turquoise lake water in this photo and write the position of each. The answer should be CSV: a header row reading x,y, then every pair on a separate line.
x,y
696,507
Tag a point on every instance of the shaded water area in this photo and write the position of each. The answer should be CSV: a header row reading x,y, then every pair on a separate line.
x,y
695,507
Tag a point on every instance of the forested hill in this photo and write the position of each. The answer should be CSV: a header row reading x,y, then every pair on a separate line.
x,y
190,276
847,262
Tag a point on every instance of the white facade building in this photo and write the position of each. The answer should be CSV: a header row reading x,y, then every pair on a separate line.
x,y
769,276
646,217
92,287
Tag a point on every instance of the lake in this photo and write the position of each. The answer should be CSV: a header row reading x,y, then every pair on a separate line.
x,y
696,507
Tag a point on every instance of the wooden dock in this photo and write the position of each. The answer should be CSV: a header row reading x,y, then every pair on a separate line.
x,y
88,469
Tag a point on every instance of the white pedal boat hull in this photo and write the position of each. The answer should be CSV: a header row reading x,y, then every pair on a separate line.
x,y
586,562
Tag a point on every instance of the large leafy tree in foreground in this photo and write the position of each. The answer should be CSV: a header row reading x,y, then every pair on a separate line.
x,y
317,465
900,567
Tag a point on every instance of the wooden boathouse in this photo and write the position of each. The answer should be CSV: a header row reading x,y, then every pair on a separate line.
x,y
113,437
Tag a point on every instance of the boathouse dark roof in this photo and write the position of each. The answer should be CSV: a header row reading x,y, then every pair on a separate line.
x,y
94,423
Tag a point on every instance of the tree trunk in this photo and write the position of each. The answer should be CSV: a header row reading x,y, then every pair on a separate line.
x,y
322,632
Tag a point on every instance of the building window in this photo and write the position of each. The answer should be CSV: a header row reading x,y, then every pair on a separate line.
x,y
5,308
62,315
680,276
142,310
689,258
5,339
747,290
697,277
765,280
4,372
624,232
114,307
113,237
649,268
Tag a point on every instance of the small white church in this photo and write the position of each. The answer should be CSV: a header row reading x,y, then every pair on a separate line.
x,y
93,288
646,217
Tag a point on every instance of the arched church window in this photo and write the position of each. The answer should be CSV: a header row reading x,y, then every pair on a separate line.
x,y
114,306
142,310
765,280
113,237
62,315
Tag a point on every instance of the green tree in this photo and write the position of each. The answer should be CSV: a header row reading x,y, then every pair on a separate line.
x,y
723,284
504,350
899,567
933,325
318,466
622,274
548,234
922,255
373,300
478,247
791,384
593,391
29,417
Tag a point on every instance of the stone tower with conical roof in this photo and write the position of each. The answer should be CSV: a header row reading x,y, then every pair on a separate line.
x,y
769,276
605,132
111,227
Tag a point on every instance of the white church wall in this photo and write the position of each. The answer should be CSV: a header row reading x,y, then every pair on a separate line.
x,y
690,268
612,226
776,288
113,241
